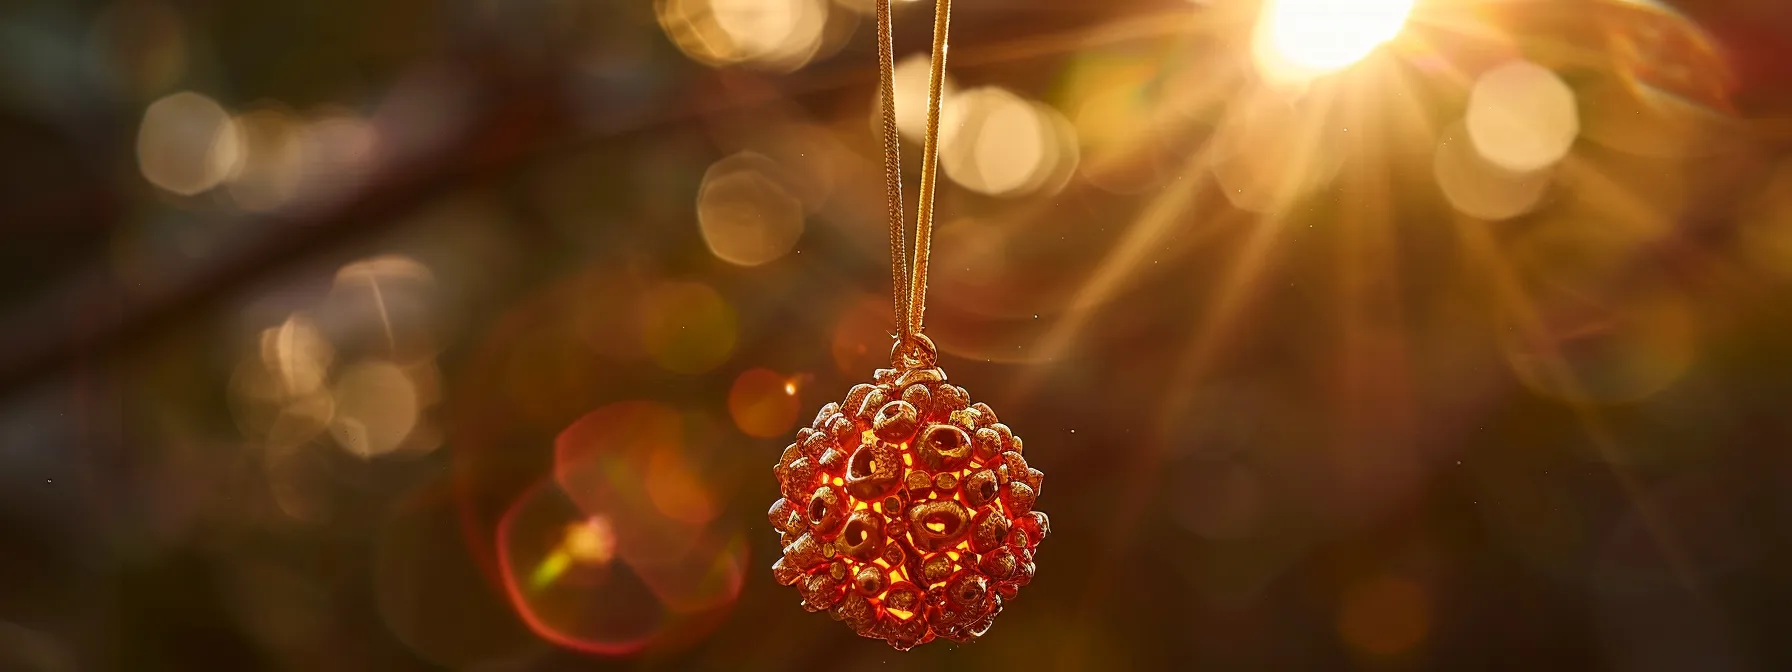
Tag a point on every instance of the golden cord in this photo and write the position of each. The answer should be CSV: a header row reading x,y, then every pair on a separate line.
x,y
886,69
930,152
911,280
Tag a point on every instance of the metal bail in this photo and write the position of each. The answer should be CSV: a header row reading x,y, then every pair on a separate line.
x,y
913,352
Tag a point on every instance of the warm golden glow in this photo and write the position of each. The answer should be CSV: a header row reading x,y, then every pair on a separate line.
x,y
779,35
1270,152
1478,188
1301,39
762,403
273,159
187,144
910,81
376,408
387,267
747,216
1522,117
297,354
1002,144
385,303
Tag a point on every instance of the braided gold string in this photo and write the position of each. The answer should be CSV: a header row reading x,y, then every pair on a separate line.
x,y
908,276
930,153
886,74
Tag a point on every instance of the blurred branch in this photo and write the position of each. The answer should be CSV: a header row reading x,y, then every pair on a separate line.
x,y
500,137
523,119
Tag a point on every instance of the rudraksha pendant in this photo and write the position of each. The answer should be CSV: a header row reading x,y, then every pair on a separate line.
x,y
907,509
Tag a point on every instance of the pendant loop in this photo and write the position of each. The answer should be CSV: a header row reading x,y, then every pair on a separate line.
x,y
914,351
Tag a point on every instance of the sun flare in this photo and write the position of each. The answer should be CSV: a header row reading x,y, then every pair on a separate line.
x,y
1302,39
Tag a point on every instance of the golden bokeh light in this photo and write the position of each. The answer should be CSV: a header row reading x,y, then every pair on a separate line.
x,y
805,159
372,270
1064,151
273,159
747,217
1004,145
277,394
866,6
1521,116
385,305
910,82
763,404
690,26
299,420
187,143
1296,40
785,32
377,406
1478,188
297,354
339,148
1384,616
687,327
777,35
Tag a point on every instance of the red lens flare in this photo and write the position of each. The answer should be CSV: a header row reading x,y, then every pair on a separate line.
x,y
571,577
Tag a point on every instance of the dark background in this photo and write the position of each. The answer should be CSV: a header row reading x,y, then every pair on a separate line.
x,y
1355,429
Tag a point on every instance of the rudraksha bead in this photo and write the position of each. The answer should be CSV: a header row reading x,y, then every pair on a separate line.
x,y
908,510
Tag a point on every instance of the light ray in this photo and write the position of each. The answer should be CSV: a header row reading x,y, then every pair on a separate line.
x,y
1114,272
1229,300
1511,300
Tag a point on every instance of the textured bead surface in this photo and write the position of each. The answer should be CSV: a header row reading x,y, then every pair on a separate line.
x,y
909,511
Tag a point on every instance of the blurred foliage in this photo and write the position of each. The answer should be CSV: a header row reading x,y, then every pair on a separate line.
x,y
464,335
